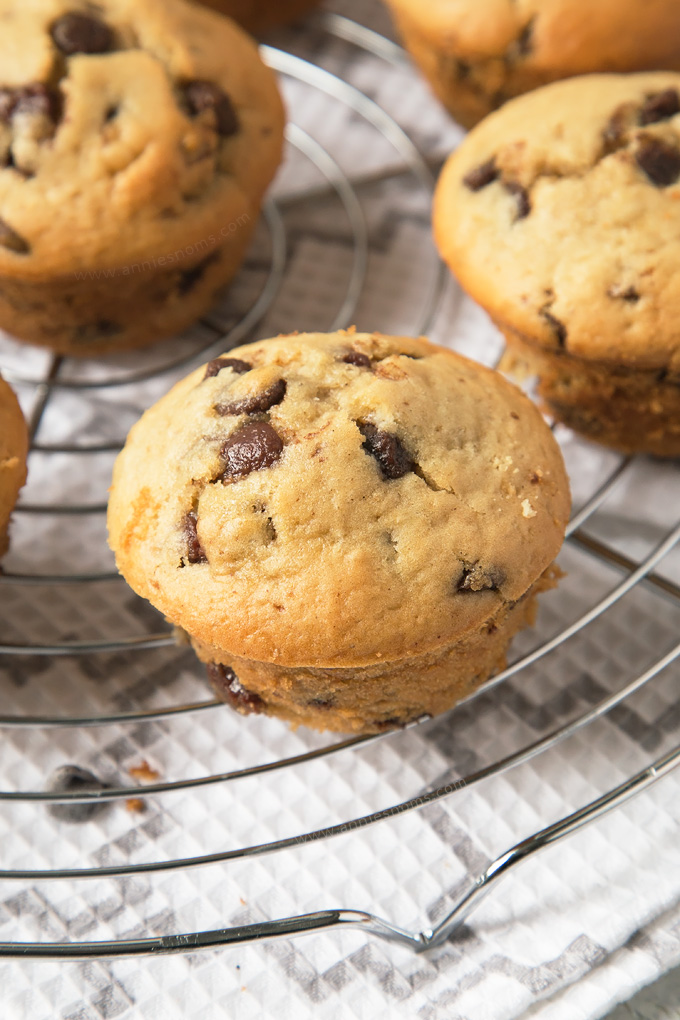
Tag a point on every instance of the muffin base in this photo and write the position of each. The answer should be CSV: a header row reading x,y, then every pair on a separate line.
x,y
383,696
126,307
631,410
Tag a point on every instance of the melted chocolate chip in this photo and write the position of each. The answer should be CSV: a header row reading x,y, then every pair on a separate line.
x,y
392,723
81,33
188,278
356,358
6,105
195,551
229,688
615,131
521,196
273,395
392,458
93,332
205,95
35,98
524,44
660,106
475,578
659,161
254,446
321,703
482,175
629,294
556,325
10,239
72,779
235,364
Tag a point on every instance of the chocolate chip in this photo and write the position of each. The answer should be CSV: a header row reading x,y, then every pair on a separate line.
x,y
81,33
462,68
615,131
475,578
195,551
188,278
6,105
521,196
659,161
229,688
205,95
93,332
72,779
356,358
482,175
321,703
392,458
235,364
556,325
273,395
392,723
10,239
254,446
524,44
623,293
35,98
660,106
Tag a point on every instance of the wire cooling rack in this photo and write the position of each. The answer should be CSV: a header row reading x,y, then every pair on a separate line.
x,y
344,239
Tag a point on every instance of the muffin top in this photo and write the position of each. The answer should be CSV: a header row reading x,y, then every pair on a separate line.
x,y
13,450
128,127
560,36
560,214
337,499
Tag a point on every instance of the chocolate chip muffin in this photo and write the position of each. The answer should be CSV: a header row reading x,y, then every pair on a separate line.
x,y
560,215
476,54
13,451
350,527
136,140
261,15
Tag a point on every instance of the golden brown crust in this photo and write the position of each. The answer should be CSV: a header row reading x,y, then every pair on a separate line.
x,y
479,53
127,206
13,452
318,558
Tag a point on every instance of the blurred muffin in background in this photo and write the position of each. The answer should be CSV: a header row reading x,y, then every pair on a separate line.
x,y
136,141
13,452
259,16
476,54
560,215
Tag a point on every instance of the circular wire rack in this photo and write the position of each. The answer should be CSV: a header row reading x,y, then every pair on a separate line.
x,y
626,557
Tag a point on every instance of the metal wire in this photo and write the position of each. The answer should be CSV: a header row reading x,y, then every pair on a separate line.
x,y
635,573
